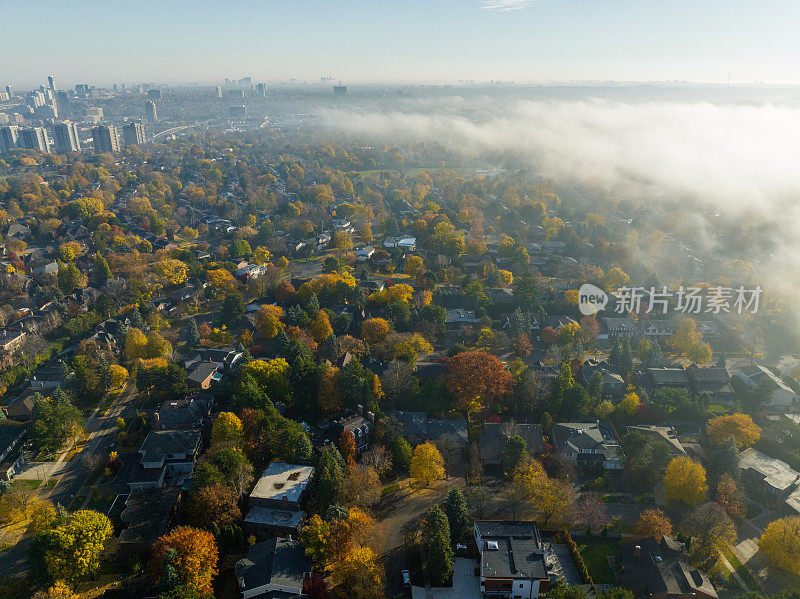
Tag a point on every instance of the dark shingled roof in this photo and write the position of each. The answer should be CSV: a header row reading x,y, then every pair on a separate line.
x,y
519,551
148,513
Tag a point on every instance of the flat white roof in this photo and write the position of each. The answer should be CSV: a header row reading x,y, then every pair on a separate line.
x,y
283,480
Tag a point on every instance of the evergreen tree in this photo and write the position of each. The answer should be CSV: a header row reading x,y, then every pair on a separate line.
x,y
596,386
282,342
328,476
135,316
401,455
192,335
303,451
455,508
312,306
655,357
102,272
233,308
614,356
331,348
438,551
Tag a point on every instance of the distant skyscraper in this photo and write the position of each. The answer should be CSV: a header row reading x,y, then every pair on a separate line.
x,y
34,138
82,89
155,94
106,138
8,139
219,91
51,83
66,138
9,91
133,134
339,90
62,101
150,111
261,89
236,93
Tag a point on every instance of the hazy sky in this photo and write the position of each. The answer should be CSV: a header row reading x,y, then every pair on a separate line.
x,y
399,40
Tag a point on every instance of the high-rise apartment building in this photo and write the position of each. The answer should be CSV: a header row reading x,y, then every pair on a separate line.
x,y
34,138
133,134
106,138
66,137
150,111
339,90
8,139
9,91
63,103
51,83
219,91
261,89
155,94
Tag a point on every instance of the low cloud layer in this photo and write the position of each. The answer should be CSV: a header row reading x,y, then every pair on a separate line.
x,y
506,5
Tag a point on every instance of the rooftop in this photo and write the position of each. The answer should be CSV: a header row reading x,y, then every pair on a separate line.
x,y
281,481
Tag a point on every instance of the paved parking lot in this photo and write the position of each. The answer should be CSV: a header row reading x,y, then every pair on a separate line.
x,y
465,584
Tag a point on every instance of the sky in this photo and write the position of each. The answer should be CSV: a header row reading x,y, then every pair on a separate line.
x,y
399,40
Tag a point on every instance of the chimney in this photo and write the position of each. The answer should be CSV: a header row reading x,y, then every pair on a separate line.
x,y
360,409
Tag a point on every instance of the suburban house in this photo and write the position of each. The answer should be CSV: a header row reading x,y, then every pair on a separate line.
x,y
358,425
418,428
781,396
620,328
272,568
587,444
712,381
457,321
770,478
654,569
276,502
188,412
11,458
165,455
657,329
21,408
495,434
512,559
674,378
613,384
365,253
404,243
665,433
202,374
146,515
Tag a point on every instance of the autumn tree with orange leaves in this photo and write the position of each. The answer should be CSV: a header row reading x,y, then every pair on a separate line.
x,y
194,560
477,379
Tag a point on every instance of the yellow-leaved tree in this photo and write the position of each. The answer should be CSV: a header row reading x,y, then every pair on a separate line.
x,y
739,426
427,464
685,480
781,543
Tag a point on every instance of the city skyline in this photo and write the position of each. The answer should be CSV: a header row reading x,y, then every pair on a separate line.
x,y
444,41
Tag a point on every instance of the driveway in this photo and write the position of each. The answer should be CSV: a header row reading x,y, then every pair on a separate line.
x,y
465,584
563,568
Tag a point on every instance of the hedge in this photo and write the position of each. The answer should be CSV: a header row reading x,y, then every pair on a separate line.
x,y
579,563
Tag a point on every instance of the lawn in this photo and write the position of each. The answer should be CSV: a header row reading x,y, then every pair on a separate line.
x,y
740,568
595,556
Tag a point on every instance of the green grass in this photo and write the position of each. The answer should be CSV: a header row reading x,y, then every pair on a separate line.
x,y
740,568
595,557
26,484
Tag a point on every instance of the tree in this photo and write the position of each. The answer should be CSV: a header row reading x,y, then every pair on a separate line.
x,y
361,486
221,280
563,591
268,320
347,447
427,464
321,327
514,449
54,422
314,537
616,277
328,477
135,343
233,308
401,454
455,508
476,379
590,512
119,376
547,497
630,402
711,530
438,551
213,504
76,544
652,523
685,480
194,559
102,272
227,428
357,575
192,335
374,330
235,467
59,590
730,496
781,543
738,426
